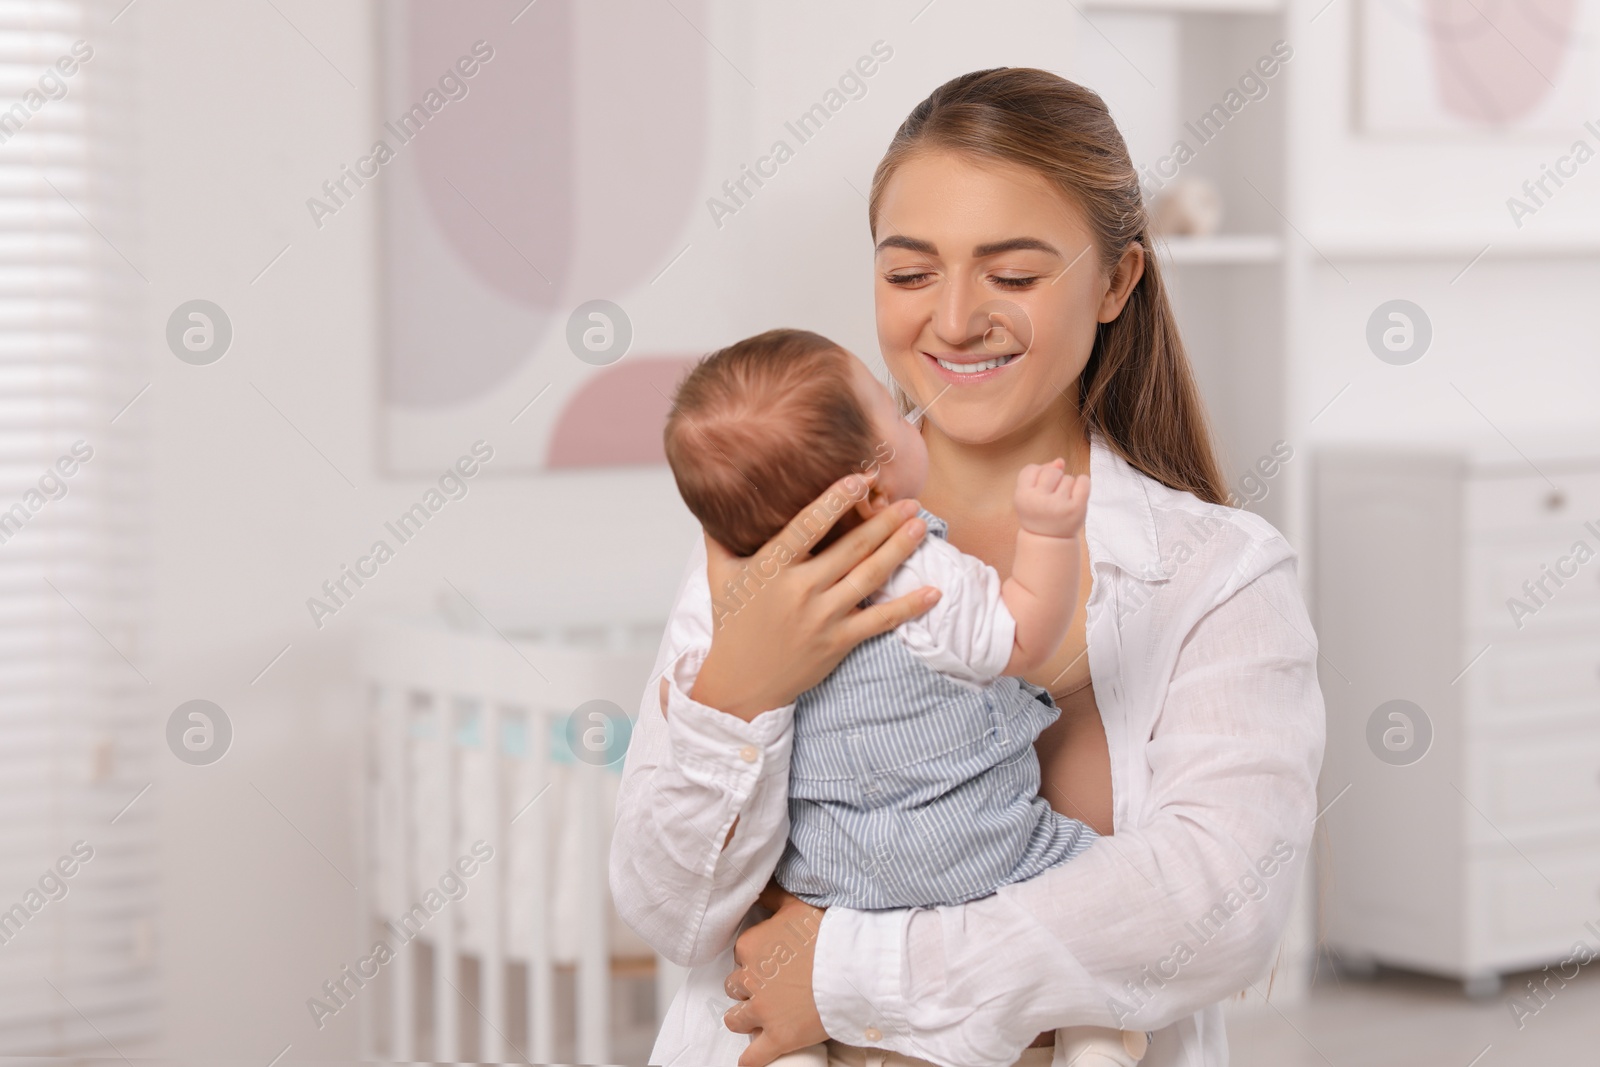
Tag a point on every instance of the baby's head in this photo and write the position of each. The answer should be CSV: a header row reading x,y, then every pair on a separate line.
x,y
760,429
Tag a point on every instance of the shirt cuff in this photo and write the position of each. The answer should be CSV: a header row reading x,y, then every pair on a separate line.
x,y
856,978
717,746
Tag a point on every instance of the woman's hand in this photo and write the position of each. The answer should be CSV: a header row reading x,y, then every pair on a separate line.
x,y
772,981
783,619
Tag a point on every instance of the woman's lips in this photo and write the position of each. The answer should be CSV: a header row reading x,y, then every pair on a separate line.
x,y
970,377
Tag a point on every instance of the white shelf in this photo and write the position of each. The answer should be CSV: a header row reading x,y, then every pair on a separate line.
x,y
1221,249
1464,245
1194,7
1523,449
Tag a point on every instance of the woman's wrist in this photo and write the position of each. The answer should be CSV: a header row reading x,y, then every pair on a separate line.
x,y
726,691
856,975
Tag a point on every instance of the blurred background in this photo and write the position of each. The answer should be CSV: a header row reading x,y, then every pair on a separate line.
x,y
335,542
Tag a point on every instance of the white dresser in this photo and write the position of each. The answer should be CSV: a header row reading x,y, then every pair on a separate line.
x,y
1481,857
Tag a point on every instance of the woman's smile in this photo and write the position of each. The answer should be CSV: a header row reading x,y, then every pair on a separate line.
x,y
963,368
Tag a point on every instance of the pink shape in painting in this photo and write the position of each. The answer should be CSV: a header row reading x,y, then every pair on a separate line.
x,y
616,418
563,167
495,174
1495,62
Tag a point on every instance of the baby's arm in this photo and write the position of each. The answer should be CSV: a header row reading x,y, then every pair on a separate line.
x,y
1042,592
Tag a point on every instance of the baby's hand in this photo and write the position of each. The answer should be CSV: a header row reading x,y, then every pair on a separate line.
x,y
1050,501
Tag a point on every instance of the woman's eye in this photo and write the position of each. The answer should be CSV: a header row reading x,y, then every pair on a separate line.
x,y
1015,283
906,279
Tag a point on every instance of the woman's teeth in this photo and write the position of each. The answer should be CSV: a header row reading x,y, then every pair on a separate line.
x,y
974,368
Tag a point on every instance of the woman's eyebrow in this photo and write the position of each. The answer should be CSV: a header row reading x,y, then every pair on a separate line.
x,y
912,244
1014,244
1010,244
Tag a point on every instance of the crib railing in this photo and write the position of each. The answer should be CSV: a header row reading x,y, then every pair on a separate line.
x,y
466,759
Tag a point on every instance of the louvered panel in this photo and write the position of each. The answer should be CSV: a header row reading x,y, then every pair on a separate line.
x,y
77,734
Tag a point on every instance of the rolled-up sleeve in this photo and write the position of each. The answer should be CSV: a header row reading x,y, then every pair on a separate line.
x,y
1182,907
689,774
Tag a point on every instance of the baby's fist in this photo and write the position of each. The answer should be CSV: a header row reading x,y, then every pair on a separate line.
x,y
1050,501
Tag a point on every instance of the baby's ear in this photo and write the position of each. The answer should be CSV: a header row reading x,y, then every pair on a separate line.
x,y
875,501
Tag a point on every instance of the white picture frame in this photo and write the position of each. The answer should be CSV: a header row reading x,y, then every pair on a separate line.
x,y
1464,67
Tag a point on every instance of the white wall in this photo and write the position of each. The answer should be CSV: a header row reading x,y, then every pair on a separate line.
x,y
243,121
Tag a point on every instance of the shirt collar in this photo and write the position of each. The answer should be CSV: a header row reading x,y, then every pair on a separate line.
x,y
1120,525
937,527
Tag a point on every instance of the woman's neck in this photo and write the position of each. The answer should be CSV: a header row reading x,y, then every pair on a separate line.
x,y
980,480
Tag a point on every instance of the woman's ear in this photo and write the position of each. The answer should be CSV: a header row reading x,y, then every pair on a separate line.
x,y
1126,275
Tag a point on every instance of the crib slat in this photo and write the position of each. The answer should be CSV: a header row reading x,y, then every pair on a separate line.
x,y
493,973
594,953
446,966
370,762
535,832
393,711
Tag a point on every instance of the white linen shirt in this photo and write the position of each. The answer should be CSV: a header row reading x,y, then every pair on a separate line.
x,y
1203,663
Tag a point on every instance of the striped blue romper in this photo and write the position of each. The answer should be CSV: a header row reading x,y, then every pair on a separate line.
x,y
908,788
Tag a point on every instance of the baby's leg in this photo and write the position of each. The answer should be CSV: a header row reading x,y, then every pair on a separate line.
x,y
1098,1046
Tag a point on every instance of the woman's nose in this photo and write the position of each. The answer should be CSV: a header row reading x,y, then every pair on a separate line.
x,y
953,317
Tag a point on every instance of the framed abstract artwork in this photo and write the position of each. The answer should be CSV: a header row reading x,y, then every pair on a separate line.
x,y
527,180
1475,66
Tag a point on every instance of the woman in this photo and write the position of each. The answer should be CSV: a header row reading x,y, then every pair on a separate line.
x,y
1009,232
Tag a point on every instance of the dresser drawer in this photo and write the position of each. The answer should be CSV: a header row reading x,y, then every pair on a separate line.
x,y
1534,906
1503,580
1541,786
1520,679
1498,507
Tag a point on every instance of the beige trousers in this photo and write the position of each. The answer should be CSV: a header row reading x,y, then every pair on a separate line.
x,y
834,1054
1084,1045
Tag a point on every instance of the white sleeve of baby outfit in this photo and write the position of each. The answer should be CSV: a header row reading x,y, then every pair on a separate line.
x,y
969,633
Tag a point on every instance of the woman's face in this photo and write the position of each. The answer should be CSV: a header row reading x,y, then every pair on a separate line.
x,y
988,294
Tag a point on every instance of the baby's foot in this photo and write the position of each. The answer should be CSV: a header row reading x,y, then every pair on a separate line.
x,y
1050,501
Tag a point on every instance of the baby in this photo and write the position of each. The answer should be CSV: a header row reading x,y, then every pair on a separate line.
x,y
913,780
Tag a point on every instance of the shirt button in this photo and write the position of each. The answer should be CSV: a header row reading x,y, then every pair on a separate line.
x,y
873,1034
748,753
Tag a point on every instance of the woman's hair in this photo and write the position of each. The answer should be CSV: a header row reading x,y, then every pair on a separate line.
x,y
759,430
1137,389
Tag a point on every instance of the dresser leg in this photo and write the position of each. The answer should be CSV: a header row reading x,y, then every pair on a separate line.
x,y
1356,965
1481,986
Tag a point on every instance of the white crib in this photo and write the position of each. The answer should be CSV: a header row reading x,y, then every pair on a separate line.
x,y
467,743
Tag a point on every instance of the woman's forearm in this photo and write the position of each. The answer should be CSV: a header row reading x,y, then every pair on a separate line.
x,y
681,877
975,984
1182,907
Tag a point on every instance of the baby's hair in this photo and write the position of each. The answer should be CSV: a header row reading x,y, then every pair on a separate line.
x,y
761,429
